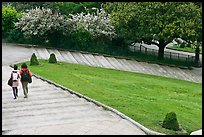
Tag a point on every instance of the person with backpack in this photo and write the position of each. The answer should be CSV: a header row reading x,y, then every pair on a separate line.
x,y
15,76
25,78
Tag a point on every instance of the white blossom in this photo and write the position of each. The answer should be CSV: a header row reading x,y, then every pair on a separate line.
x,y
97,24
40,21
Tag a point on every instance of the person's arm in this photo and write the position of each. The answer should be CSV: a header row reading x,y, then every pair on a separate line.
x,y
30,73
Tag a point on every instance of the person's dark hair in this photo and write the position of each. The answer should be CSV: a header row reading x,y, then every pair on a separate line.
x,y
24,65
15,67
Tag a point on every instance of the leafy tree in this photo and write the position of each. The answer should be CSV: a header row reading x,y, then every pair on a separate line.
x,y
9,17
157,23
92,28
98,24
43,24
65,8
23,6
74,7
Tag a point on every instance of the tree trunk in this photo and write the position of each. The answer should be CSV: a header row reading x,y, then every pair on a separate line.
x,y
197,60
161,52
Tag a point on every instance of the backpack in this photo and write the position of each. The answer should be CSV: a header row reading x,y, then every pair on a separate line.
x,y
25,76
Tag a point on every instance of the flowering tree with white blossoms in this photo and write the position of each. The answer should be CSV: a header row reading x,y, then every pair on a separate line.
x,y
42,23
82,29
98,24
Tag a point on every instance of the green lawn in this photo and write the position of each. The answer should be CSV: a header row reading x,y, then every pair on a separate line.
x,y
187,49
144,98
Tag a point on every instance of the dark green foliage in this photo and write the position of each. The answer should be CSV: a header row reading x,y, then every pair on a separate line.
x,y
182,45
62,7
52,58
34,60
9,17
14,36
170,122
23,6
181,20
55,38
74,7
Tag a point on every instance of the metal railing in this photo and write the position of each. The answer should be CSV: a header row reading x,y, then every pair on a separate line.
x,y
169,55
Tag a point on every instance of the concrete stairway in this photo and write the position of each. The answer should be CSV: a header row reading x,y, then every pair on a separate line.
x,y
119,64
51,110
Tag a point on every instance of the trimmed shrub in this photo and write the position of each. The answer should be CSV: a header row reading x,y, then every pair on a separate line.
x,y
170,122
34,60
52,58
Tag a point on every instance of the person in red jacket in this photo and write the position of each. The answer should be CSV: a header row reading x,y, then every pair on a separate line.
x,y
22,72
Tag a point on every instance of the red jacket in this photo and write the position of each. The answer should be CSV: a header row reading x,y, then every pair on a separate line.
x,y
24,69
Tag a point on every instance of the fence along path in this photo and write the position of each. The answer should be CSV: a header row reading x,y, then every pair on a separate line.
x,y
168,53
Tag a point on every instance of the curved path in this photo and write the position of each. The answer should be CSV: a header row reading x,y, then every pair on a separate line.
x,y
24,53
51,110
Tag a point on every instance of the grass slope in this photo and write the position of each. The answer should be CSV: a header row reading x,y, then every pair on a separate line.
x,y
144,98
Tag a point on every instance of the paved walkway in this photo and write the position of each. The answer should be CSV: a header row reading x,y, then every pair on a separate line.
x,y
50,110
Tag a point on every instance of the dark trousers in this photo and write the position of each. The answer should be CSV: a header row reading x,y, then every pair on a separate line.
x,y
15,92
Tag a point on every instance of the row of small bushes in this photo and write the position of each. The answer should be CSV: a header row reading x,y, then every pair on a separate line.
x,y
34,60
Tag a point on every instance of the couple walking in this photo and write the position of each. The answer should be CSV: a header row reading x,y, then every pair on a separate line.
x,y
22,74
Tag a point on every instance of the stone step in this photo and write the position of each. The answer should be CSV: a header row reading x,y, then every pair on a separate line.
x,y
32,99
94,58
42,52
92,61
103,61
70,56
77,56
119,64
34,50
85,60
20,105
126,68
66,57
134,66
46,53
54,119
45,109
113,63
127,63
